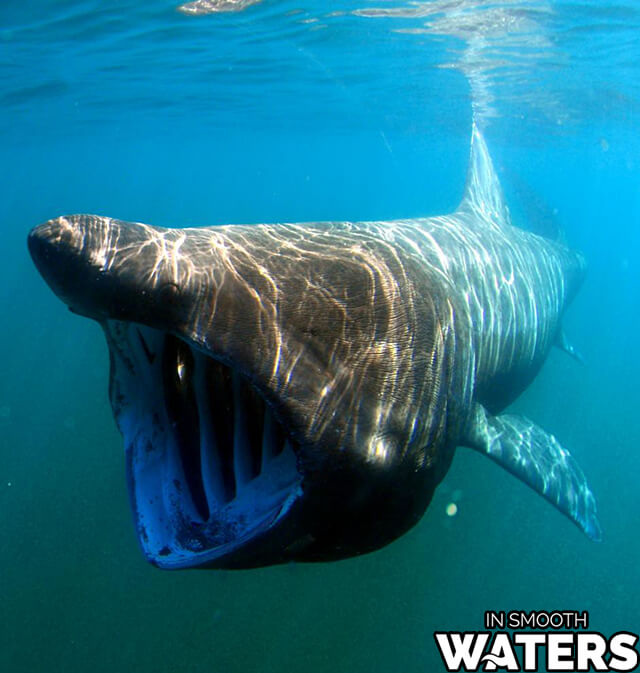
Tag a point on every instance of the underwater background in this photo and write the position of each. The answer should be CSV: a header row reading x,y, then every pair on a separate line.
x,y
299,111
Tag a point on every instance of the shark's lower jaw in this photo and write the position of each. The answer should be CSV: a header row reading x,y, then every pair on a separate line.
x,y
210,470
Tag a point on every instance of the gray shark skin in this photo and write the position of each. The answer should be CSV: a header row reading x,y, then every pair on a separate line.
x,y
297,391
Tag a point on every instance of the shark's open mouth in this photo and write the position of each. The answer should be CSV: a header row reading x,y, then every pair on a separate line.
x,y
210,468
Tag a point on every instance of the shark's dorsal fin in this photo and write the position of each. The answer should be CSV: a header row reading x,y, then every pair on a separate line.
x,y
483,193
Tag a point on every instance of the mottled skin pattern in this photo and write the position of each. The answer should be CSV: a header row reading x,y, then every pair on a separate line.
x,y
371,341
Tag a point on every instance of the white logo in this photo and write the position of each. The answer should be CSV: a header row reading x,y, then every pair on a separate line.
x,y
569,646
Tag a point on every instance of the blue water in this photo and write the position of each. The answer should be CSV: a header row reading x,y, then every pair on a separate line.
x,y
289,112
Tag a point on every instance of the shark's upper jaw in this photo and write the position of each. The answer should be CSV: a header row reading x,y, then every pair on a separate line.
x,y
211,471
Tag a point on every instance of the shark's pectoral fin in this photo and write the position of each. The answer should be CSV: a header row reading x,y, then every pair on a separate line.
x,y
563,343
536,457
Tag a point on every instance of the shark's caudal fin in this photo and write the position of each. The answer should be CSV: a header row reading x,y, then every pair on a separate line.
x,y
483,193
536,457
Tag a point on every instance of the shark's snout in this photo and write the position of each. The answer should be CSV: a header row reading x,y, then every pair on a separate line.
x,y
104,268
57,248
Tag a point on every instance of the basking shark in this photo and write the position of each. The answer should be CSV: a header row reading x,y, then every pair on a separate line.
x,y
297,391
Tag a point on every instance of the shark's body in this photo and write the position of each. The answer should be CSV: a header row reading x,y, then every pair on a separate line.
x,y
296,391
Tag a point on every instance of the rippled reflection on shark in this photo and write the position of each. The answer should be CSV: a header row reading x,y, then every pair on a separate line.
x,y
296,391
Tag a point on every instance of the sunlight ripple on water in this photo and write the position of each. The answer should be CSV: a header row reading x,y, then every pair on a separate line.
x,y
276,60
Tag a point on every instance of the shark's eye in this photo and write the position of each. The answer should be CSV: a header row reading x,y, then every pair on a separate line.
x,y
169,294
